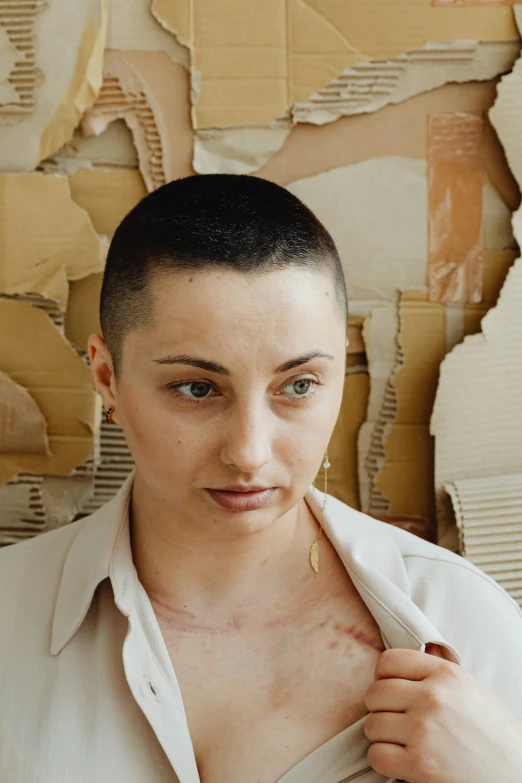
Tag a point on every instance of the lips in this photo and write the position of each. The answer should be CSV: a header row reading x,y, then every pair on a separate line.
x,y
240,500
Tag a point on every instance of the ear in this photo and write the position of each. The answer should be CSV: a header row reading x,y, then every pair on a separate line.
x,y
102,370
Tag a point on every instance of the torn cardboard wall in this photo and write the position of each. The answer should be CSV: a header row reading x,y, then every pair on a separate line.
x,y
276,54
151,93
46,238
427,331
38,358
23,429
488,513
477,421
377,214
455,184
57,89
311,149
370,86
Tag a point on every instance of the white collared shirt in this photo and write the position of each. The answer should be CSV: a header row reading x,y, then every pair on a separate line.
x,y
88,693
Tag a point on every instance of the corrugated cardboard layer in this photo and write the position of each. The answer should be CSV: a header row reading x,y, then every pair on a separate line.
x,y
82,317
63,79
311,149
380,339
20,76
38,357
250,62
455,233
115,464
370,86
46,238
151,93
23,429
377,214
488,513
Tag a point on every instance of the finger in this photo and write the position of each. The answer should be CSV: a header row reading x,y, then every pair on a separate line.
x,y
407,664
390,760
391,695
394,727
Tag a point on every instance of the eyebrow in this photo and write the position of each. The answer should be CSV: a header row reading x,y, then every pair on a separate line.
x,y
214,367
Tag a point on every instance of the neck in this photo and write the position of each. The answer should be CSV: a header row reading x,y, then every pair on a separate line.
x,y
204,582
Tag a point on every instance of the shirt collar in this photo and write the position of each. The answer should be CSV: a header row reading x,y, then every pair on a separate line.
x,y
372,553
100,549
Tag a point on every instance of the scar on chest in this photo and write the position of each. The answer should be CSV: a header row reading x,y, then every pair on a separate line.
x,y
359,636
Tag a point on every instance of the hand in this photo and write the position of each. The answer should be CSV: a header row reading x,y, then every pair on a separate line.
x,y
432,721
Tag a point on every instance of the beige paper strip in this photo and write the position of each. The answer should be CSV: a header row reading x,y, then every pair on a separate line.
x,y
455,184
23,429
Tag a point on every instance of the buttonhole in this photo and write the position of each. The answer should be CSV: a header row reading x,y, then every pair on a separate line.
x,y
152,689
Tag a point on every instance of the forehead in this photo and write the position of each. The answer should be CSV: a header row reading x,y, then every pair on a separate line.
x,y
203,301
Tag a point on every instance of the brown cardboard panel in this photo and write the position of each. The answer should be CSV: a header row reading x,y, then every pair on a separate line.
x,y
342,449
254,60
107,195
312,149
47,239
151,93
23,429
40,359
455,184
406,478
62,59
82,317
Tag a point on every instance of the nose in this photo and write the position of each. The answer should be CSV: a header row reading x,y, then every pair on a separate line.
x,y
247,446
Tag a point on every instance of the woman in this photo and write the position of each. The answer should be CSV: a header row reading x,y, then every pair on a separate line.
x,y
221,620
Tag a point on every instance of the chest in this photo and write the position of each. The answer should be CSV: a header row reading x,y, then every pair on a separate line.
x,y
258,703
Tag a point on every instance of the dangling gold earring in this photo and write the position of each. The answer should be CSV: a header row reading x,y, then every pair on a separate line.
x,y
108,416
314,549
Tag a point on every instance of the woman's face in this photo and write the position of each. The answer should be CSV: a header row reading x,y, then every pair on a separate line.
x,y
191,428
